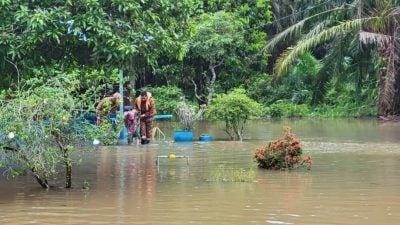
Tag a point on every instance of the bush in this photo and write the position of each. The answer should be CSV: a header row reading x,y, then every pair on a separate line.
x,y
235,108
42,126
187,115
232,174
288,110
346,110
283,153
166,98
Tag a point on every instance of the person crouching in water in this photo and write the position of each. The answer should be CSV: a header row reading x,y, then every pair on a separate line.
x,y
107,106
145,106
132,124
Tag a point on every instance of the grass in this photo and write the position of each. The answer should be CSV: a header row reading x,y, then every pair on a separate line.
x,y
232,175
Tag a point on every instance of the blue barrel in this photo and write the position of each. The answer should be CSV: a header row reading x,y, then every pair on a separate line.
x,y
123,134
205,137
183,135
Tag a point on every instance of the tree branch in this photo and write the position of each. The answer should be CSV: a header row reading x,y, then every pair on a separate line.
x,y
195,91
42,181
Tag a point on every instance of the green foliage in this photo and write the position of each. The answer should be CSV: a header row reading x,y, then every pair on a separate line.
x,y
348,36
348,110
234,108
287,110
216,35
345,100
232,175
109,131
261,88
166,98
43,123
127,34
223,50
295,87
283,153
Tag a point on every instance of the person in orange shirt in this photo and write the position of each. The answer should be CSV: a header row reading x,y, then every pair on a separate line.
x,y
145,105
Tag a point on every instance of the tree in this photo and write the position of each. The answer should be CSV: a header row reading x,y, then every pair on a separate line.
x,y
242,59
167,98
103,34
294,87
42,126
373,24
235,108
215,40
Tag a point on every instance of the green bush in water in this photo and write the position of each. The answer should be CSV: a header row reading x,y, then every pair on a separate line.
x,y
235,109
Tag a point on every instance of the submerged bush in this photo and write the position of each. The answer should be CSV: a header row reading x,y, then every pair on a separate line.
x,y
232,175
283,153
235,109
42,127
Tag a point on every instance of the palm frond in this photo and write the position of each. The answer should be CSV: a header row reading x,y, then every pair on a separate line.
x,y
395,11
374,38
289,32
317,28
321,83
294,30
288,58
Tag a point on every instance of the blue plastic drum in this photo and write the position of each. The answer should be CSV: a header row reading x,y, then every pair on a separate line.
x,y
183,136
205,137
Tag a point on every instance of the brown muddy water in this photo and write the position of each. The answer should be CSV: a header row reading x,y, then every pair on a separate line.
x,y
355,179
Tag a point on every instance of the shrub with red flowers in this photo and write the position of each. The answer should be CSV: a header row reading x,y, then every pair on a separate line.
x,y
284,153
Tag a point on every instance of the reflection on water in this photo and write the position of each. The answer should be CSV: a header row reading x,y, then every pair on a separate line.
x,y
355,180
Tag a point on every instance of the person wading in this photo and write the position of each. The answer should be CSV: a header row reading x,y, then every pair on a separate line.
x,y
107,106
145,106
132,124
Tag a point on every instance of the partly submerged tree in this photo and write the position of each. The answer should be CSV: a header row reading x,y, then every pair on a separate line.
x,y
372,24
42,126
235,109
187,115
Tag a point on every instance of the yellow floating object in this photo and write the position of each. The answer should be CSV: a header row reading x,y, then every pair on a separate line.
x,y
172,156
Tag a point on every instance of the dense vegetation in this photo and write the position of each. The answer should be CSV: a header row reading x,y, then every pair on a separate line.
x,y
297,58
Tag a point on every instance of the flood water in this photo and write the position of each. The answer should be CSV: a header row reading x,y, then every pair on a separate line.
x,y
355,179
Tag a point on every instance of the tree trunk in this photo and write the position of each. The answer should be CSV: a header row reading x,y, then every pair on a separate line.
x,y
238,135
68,169
211,86
389,81
42,181
238,132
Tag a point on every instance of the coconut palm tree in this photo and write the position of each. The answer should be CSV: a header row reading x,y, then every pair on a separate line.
x,y
358,26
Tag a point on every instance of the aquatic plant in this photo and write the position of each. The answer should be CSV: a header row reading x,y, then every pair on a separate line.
x,y
232,175
235,109
187,115
284,153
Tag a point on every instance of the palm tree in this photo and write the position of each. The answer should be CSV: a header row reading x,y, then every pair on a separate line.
x,y
342,28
